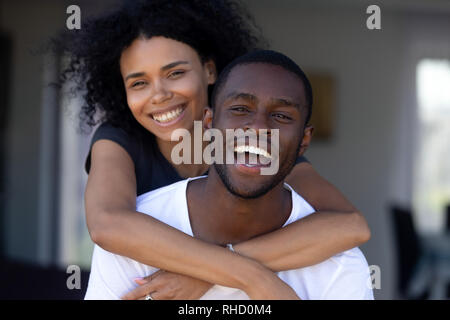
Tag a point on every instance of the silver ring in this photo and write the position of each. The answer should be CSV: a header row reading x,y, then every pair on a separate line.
x,y
148,297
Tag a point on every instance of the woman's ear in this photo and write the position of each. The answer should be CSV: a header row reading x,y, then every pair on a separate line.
x,y
211,71
307,135
208,114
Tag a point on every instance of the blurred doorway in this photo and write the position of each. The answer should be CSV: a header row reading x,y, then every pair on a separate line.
x,y
432,166
75,245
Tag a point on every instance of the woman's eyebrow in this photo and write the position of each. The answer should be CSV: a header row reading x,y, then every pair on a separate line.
x,y
173,64
134,75
166,67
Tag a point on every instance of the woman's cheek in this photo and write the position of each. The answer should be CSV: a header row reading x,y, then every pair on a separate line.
x,y
136,101
185,88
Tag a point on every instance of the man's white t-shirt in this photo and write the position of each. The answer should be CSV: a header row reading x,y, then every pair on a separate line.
x,y
343,276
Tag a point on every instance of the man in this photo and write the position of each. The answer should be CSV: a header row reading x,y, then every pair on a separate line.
x,y
260,90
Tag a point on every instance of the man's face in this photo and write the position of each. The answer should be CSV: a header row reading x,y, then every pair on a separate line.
x,y
260,96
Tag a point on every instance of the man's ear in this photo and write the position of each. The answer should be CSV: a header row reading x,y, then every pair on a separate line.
x,y
211,71
208,114
307,136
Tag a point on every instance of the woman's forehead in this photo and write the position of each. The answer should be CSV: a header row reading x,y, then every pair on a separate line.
x,y
157,51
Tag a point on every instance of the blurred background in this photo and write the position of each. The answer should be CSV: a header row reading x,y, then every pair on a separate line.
x,y
383,131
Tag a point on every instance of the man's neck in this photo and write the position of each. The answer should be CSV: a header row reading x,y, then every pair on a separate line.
x,y
220,217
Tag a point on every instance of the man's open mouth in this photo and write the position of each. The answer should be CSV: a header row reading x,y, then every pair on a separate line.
x,y
252,156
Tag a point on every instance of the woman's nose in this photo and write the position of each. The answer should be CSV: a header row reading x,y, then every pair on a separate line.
x,y
160,93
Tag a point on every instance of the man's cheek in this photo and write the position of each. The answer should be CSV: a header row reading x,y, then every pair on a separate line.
x,y
275,153
272,169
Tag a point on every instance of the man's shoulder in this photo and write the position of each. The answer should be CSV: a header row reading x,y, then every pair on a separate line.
x,y
352,258
345,276
174,193
300,207
161,194
352,277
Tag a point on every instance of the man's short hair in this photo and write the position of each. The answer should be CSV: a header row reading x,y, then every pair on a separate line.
x,y
268,57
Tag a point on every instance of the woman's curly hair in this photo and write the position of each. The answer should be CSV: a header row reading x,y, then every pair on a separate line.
x,y
220,30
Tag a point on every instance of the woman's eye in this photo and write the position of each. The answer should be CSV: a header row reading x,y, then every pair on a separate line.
x,y
138,84
176,74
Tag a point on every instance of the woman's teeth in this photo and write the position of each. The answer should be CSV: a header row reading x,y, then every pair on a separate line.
x,y
168,116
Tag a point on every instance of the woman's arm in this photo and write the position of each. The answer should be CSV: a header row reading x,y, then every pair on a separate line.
x,y
114,225
335,227
306,242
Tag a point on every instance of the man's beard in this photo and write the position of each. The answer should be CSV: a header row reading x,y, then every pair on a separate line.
x,y
261,190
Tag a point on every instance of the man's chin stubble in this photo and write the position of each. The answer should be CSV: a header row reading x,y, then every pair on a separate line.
x,y
245,194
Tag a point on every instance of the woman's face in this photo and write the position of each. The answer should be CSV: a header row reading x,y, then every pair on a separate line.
x,y
166,84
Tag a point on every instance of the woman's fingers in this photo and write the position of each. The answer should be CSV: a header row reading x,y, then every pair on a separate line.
x,y
152,276
141,291
159,295
168,286
147,279
163,294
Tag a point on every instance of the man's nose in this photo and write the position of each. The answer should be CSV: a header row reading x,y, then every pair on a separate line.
x,y
258,121
160,93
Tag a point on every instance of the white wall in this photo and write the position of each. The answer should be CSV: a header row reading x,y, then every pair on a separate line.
x,y
370,155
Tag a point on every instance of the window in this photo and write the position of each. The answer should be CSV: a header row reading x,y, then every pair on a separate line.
x,y
431,190
74,243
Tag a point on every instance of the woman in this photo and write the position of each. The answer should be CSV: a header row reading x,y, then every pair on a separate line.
x,y
146,70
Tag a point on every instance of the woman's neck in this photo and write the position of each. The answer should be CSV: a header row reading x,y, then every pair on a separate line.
x,y
184,170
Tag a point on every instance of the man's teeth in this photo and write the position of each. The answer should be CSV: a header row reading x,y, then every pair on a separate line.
x,y
254,150
168,116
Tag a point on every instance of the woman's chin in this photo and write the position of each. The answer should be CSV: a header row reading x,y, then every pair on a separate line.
x,y
174,133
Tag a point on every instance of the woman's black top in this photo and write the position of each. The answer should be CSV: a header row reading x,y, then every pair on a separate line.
x,y
152,170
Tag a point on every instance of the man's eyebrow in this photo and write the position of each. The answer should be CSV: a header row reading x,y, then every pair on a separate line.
x,y
284,102
166,67
241,95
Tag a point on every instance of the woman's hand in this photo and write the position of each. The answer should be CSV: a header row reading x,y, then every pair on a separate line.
x,y
270,287
164,285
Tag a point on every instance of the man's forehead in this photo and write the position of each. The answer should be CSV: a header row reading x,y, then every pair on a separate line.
x,y
262,79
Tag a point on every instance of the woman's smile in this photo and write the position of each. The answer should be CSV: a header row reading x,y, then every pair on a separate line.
x,y
169,116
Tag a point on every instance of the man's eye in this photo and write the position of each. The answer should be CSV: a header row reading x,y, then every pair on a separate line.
x,y
281,116
239,109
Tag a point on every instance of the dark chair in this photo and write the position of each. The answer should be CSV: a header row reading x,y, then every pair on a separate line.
x,y
447,220
25,281
447,229
410,252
